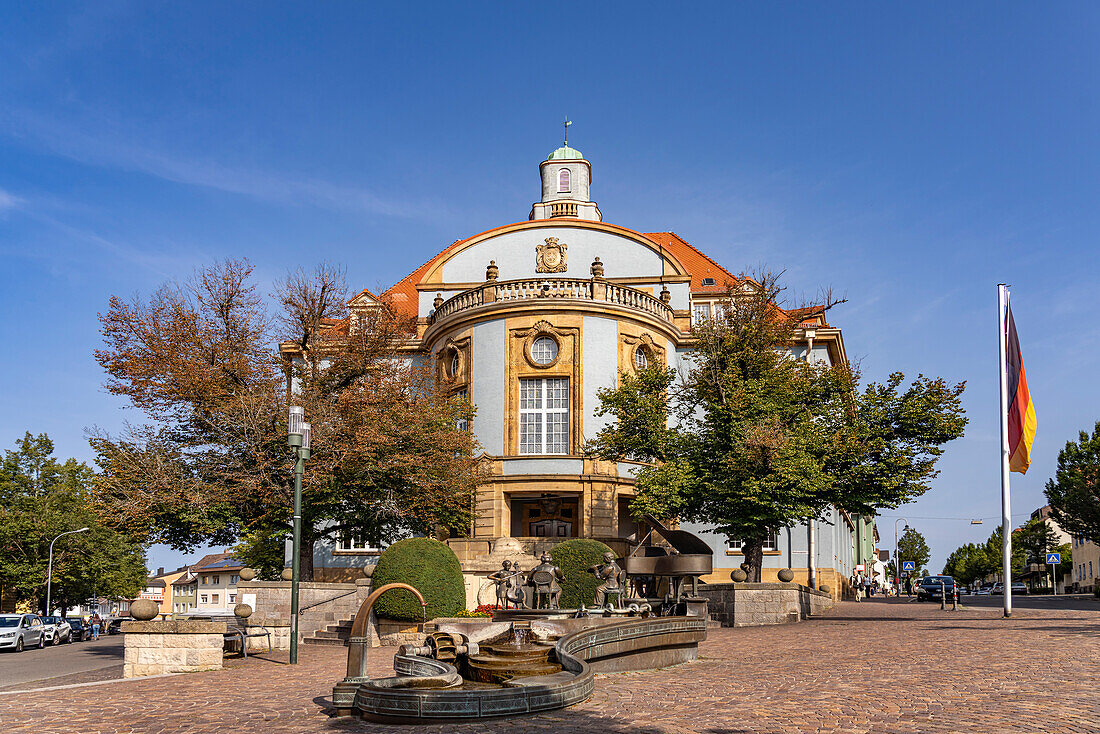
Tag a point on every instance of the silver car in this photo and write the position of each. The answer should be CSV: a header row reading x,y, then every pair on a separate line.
x,y
57,630
18,631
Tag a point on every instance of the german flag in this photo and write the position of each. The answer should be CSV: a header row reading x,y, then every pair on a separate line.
x,y
1021,413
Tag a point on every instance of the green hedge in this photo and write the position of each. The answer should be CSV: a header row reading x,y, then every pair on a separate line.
x,y
426,564
574,558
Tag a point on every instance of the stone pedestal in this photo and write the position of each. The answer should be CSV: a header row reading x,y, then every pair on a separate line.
x,y
176,646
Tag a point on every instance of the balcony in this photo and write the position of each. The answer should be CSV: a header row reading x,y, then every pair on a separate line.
x,y
553,290
563,209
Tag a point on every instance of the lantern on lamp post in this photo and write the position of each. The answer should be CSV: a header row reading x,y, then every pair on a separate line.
x,y
298,438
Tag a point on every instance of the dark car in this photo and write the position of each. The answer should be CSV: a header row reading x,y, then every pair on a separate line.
x,y
81,630
932,587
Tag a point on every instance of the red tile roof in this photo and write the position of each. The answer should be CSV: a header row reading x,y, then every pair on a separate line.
x,y
695,262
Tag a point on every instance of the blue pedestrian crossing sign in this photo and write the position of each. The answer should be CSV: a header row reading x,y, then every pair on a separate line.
x,y
910,565
1054,558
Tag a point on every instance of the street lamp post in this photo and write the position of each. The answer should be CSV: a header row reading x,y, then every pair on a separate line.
x,y
49,568
297,438
897,556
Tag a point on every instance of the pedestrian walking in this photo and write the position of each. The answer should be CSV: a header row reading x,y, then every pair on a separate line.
x,y
857,585
96,622
868,586
908,585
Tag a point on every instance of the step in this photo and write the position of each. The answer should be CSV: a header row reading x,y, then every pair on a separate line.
x,y
333,642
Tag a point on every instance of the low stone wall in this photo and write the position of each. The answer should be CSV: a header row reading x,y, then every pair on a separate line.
x,y
175,646
322,604
752,605
392,633
279,627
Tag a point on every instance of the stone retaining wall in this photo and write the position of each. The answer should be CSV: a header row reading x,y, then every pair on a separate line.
x,y
175,646
751,605
334,602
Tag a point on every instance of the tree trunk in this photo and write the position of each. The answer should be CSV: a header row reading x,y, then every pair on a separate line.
x,y
305,559
753,550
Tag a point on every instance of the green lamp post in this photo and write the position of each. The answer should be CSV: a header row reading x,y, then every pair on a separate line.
x,y
298,439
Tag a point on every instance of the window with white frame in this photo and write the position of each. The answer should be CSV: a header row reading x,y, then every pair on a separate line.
x,y
216,579
640,359
204,599
700,313
214,598
771,542
463,423
357,544
232,598
204,580
544,416
234,579
544,350
563,181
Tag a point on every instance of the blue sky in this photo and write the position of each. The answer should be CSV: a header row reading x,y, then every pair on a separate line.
x,y
911,158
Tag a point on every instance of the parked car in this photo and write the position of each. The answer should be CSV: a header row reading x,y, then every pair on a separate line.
x,y
982,591
1018,587
19,631
57,630
113,626
931,587
80,630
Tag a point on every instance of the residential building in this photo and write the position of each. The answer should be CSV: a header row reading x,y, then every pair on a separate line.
x,y
218,575
1086,564
159,588
529,320
185,592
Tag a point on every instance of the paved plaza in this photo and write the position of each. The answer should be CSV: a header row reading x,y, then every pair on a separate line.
x,y
879,666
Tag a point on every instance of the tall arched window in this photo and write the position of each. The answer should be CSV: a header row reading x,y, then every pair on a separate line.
x,y
563,181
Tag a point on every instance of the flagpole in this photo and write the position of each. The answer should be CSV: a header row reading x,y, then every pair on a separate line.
x,y
1006,502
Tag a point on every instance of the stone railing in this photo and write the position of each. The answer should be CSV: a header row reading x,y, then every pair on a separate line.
x,y
573,289
563,209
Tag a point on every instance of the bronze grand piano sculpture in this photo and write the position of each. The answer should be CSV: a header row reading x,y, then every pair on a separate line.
x,y
666,566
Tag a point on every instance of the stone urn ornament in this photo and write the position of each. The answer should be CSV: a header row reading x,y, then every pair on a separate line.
x,y
786,575
247,574
243,611
738,575
287,574
144,609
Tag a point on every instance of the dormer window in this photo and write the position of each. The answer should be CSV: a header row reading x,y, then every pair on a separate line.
x,y
563,181
709,281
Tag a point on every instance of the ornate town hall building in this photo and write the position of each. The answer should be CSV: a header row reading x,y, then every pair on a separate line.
x,y
529,320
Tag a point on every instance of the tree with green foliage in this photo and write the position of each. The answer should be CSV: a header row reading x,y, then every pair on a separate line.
x,y
1035,538
967,563
574,558
1074,491
749,439
428,565
40,498
913,547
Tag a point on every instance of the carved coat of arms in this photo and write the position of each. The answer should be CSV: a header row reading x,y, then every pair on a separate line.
x,y
550,258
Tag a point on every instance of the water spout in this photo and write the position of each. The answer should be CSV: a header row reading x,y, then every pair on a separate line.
x,y
356,658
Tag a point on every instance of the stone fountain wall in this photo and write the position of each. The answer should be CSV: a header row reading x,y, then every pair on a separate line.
x,y
753,605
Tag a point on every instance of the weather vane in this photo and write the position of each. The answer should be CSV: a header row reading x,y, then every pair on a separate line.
x,y
568,122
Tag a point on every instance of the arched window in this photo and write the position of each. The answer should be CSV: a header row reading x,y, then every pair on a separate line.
x,y
641,361
563,181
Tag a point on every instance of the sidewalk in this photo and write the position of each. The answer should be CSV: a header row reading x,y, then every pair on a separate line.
x,y
879,666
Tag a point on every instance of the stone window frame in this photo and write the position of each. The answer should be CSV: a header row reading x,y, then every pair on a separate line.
x,y
735,550
565,176
540,332
632,344
453,361
520,366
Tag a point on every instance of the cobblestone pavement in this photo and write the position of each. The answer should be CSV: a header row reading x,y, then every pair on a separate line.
x,y
879,666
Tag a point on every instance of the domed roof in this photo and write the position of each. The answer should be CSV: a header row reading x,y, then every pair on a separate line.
x,y
565,153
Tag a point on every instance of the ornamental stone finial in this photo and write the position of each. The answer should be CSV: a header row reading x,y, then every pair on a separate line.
x,y
438,301
492,271
597,268
665,295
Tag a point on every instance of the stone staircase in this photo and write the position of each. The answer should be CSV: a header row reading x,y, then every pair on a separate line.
x,y
334,634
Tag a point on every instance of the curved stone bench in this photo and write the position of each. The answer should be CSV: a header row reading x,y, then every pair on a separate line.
x,y
628,645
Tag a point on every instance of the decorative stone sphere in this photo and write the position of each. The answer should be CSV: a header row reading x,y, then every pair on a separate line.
x,y
144,609
287,574
244,611
738,575
247,574
825,589
786,575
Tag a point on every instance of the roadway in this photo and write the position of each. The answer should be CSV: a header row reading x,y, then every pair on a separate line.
x,y
1083,602
67,663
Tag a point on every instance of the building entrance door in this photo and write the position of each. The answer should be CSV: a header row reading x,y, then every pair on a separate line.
x,y
548,516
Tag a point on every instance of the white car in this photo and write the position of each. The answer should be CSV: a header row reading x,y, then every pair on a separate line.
x,y
20,631
57,630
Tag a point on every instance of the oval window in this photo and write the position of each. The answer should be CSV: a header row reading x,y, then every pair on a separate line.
x,y
640,360
454,365
544,350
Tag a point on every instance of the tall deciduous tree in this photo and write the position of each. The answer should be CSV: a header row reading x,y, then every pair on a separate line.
x,y
913,547
1074,491
40,498
750,439
211,465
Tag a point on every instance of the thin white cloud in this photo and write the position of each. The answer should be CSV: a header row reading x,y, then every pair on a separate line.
x,y
9,201
111,147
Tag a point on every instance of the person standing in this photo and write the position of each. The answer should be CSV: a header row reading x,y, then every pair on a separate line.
x,y
95,621
857,585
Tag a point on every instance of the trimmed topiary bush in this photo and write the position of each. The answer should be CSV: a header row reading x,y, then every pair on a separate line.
x,y
426,564
574,558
